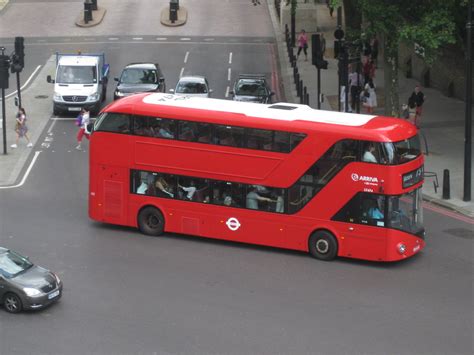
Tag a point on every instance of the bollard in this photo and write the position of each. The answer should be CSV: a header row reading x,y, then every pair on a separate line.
x,y
295,71
173,10
297,79
303,94
94,5
307,99
87,11
300,89
446,188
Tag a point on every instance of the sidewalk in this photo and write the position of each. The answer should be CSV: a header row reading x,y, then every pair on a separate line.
x,y
442,122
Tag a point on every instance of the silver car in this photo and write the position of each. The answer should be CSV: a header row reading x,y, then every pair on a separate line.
x,y
193,85
25,286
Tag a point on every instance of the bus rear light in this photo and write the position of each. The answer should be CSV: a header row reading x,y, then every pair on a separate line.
x,y
401,248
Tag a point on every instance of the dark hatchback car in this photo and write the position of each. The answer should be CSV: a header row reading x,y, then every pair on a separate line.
x,y
252,88
139,77
25,286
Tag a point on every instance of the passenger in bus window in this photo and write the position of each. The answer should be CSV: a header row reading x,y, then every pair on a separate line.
x,y
163,187
369,154
253,197
165,131
189,190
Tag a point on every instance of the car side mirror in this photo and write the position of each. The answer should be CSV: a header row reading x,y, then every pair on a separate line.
x,y
89,128
161,80
116,79
49,79
231,92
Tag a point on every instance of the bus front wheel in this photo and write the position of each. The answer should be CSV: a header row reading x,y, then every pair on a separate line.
x,y
151,221
323,245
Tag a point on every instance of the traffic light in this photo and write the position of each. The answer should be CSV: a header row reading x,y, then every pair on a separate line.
x,y
19,56
4,75
317,53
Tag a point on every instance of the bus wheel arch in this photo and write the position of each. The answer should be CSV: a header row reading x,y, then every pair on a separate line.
x,y
323,245
150,221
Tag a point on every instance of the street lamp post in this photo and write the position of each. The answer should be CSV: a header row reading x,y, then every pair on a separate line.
x,y
468,126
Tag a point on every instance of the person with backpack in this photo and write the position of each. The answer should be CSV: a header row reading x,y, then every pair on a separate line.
x,y
82,120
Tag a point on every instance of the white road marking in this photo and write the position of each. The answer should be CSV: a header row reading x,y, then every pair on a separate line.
x,y
37,153
181,72
186,57
161,38
230,58
209,39
229,71
137,38
185,39
227,92
25,84
113,38
63,118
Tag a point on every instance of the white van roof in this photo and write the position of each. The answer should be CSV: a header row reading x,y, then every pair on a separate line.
x,y
78,60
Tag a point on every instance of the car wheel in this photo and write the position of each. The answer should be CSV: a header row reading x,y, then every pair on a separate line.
x,y
12,303
322,245
151,221
56,111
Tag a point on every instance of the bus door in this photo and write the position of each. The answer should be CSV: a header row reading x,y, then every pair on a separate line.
x,y
362,228
112,190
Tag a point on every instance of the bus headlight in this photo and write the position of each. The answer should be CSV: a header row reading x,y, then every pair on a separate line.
x,y
57,97
401,248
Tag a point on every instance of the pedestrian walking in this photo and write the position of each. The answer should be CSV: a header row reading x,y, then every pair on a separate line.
x,y
355,84
368,69
82,121
330,7
21,128
419,98
302,44
411,107
369,97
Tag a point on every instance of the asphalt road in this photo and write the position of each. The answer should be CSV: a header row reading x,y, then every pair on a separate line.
x,y
126,293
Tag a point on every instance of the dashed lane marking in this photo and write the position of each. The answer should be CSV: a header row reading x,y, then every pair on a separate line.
x,y
186,57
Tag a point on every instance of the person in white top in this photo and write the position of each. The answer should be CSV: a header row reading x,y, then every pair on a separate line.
x,y
85,120
369,156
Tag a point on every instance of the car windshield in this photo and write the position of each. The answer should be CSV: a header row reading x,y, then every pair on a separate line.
x,y
75,74
246,88
12,264
189,87
402,151
405,212
138,76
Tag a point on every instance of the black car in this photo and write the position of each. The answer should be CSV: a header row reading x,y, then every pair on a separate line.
x,y
25,286
139,77
252,88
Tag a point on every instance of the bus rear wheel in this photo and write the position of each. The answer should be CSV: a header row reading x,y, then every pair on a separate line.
x,y
151,221
322,245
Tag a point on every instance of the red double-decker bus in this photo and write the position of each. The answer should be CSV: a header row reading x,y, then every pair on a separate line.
x,y
282,175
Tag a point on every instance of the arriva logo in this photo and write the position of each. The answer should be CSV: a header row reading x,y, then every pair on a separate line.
x,y
356,177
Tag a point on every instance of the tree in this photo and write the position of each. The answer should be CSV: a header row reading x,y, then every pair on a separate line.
x,y
429,23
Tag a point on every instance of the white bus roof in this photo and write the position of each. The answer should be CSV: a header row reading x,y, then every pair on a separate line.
x,y
279,111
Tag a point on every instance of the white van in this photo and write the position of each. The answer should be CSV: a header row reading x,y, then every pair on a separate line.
x,y
81,81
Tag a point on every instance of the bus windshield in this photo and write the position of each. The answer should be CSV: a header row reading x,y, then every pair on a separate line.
x,y
402,151
405,212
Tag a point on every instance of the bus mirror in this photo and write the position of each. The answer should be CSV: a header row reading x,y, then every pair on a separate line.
x,y
116,79
89,128
49,79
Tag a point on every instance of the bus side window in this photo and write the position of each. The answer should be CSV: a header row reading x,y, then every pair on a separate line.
x,y
296,139
114,122
282,142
